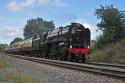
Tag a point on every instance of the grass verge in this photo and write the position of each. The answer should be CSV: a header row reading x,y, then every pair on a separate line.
x,y
3,63
18,77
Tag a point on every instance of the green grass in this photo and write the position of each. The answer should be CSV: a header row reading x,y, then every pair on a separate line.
x,y
115,53
3,63
16,77
19,77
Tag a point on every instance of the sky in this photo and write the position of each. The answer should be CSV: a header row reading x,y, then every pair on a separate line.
x,y
15,13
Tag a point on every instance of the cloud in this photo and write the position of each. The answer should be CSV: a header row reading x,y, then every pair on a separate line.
x,y
89,14
2,20
51,2
16,5
11,32
8,34
93,28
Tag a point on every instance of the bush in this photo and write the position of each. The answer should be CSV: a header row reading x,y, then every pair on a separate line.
x,y
113,53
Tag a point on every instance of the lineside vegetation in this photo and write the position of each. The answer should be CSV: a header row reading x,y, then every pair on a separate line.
x,y
2,63
113,53
19,77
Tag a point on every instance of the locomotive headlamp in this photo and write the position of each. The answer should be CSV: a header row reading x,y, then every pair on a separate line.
x,y
70,46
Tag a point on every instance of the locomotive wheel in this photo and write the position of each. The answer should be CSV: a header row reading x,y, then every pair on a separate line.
x,y
58,56
27,53
41,55
50,56
84,59
76,58
62,57
68,57
31,54
55,57
65,56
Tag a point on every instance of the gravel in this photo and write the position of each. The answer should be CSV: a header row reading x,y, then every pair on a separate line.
x,y
51,74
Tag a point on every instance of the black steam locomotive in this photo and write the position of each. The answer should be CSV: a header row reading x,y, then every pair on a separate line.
x,y
70,43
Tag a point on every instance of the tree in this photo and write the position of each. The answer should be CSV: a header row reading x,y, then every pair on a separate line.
x,y
16,40
112,24
2,47
35,27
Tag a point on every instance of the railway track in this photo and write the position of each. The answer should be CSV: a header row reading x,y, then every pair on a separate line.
x,y
102,68
121,66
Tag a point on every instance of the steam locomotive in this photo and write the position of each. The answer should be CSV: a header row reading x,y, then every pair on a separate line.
x,y
70,43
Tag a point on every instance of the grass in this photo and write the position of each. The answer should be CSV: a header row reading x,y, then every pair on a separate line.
x,y
115,53
19,77
3,63
16,77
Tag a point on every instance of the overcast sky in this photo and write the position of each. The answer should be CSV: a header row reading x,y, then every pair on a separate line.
x,y
15,13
